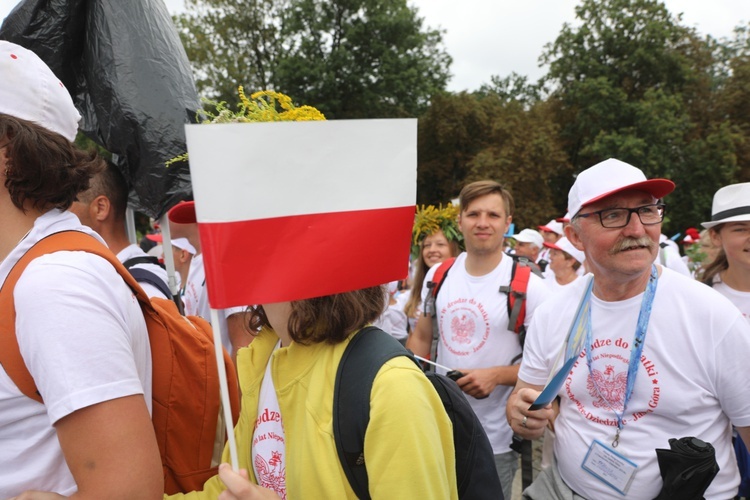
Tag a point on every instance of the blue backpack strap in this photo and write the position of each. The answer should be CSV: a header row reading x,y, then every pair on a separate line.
x,y
361,361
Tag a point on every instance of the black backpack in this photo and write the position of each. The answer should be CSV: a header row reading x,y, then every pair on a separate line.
x,y
476,475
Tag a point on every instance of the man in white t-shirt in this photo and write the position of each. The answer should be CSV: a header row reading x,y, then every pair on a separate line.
x,y
661,356
472,317
234,324
102,207
79,328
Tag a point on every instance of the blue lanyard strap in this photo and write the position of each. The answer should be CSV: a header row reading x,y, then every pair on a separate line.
x,y
635,351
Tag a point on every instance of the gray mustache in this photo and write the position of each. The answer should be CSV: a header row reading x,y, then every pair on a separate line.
x,y
628,243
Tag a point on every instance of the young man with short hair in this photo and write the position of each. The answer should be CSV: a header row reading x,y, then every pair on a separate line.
x,y
472,317
78,326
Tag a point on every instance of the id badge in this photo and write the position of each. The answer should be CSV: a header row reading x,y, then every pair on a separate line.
x,y
610,467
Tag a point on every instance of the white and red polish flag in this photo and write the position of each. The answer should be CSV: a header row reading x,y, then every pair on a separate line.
x,y
294,210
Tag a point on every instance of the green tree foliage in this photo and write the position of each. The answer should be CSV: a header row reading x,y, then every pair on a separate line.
x,y
525,154
362,58
348,58
734,97
451,133
231,43
487,135
629,81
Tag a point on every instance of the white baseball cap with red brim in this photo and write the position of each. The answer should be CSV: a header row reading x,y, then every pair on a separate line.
x,y
564,245
609,177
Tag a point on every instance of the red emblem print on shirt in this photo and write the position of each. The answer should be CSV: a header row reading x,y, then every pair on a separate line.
x,y
462,329
607,389
270,474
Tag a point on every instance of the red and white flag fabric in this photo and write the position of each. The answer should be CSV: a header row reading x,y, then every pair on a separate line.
x,y
294,210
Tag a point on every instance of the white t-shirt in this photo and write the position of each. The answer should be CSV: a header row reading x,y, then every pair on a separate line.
x,y
473,320
133,251
195,300
670,257
269,440
736,297
692,381
83,337
393,320
556,287
195,289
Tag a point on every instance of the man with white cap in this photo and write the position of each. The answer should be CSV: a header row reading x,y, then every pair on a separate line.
x,y
661,356
183,253
77,325
528,244
102,207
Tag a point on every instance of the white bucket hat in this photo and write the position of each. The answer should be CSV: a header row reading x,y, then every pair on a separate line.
x,y
609,177
30,90
731,204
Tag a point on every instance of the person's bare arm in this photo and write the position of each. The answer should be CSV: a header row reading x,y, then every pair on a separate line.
x,y
239,334
111,450
420,340
744,433
480,382
519,401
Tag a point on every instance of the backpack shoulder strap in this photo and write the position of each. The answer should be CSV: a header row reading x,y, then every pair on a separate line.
x,y
10,353
439,277
361,361
516,291
143,275
145,259
430,307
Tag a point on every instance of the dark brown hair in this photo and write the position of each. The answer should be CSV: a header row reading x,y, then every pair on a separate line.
x,y
43,167
477,189
110,183
330,319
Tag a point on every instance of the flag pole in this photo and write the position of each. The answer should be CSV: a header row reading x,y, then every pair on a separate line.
x,y
224,389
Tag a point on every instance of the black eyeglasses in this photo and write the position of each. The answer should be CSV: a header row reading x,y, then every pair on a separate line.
x,y
620,217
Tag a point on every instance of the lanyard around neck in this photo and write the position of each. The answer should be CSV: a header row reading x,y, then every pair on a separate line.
x,y
635,351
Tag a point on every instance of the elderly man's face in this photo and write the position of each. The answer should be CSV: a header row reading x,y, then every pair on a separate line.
x,y
528,250
617,252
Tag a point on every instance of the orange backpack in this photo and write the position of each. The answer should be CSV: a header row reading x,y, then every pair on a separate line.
x,y
185,391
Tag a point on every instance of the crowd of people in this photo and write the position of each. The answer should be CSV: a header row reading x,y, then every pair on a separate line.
x,y
653,343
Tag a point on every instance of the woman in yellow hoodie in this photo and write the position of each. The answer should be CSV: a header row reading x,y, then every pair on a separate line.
x,y
285,432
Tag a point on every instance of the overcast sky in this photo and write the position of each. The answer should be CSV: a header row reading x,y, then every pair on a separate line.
x,y
497,37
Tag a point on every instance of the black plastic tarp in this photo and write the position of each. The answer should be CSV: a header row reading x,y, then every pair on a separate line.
x,y
127,71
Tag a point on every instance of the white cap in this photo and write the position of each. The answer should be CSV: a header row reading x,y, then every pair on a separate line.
x,y
529,236
30,91
553,227
566,246
731,204
610,177
183,244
